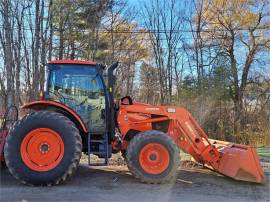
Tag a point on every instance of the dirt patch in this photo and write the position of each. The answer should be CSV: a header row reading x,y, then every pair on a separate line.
x,y
118,160
115,183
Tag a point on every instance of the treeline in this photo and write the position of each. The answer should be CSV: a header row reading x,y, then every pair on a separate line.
x,y
33,32
211,57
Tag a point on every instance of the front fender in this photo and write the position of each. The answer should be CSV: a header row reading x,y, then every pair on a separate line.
x,y
56,106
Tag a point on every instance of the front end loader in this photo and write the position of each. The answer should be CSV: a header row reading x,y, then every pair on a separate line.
x,y
78,114
239,162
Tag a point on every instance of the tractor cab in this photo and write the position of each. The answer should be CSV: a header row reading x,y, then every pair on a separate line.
x,y
80,86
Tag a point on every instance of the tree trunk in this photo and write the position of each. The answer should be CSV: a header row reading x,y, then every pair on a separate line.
x,y
36,73
43,37
61,38
8,58
51,31
18,60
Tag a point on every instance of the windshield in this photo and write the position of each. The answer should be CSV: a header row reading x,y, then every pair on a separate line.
x,y
74,80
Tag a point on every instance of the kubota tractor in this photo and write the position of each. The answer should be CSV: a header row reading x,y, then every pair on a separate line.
x,y
78,114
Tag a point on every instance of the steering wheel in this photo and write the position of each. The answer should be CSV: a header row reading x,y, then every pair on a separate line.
x,y
83,102
127,100
62,97
58,94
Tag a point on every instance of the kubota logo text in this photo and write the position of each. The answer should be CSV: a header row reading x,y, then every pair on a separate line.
x,y
152,109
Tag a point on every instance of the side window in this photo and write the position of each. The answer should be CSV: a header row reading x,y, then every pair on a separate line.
x,y
97,86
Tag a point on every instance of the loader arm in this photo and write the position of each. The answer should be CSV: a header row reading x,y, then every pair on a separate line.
x,y
240,162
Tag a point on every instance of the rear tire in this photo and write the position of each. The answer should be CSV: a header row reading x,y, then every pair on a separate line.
x,y
35,133
153,157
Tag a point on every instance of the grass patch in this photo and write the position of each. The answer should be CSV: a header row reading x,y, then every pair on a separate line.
x,y
263,151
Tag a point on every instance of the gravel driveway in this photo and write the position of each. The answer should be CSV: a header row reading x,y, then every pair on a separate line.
x,y
114,183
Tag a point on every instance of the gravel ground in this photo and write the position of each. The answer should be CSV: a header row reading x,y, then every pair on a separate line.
x,y
115,183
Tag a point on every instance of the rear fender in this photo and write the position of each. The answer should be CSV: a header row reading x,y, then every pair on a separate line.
x,y
57,107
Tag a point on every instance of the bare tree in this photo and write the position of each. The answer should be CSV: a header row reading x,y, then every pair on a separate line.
x,y
6,40
164,20
228,30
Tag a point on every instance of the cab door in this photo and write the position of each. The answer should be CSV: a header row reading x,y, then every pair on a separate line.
x,y
96,103
81,88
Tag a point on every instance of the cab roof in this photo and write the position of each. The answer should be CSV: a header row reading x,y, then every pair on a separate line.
x,y
80,62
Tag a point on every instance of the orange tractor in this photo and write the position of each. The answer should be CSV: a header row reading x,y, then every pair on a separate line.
x,y
78,114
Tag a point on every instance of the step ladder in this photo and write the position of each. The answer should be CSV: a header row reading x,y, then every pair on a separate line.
x,y
101,149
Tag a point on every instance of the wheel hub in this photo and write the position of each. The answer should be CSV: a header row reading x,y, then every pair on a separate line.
x,y
154,158
42,149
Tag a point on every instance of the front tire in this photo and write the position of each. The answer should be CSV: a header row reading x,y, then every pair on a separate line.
x,y
153,157
44,148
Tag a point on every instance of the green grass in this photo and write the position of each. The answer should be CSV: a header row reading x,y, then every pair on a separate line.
x,y
184,156
263,151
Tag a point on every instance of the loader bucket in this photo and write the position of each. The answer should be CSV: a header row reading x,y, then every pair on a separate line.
x,y
241,162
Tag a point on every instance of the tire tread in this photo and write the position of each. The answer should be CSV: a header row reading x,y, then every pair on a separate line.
x,y
44,115
131,152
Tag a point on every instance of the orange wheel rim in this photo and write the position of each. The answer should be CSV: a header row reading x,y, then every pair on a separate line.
x,y
154,158
42,149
